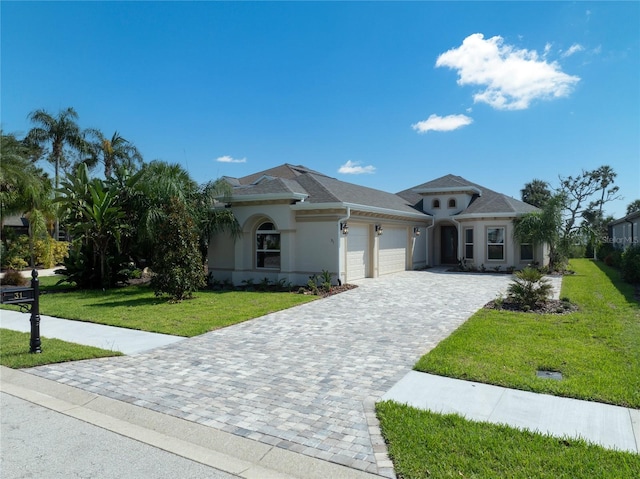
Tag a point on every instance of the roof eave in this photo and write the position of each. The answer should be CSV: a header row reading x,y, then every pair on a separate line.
x,y
358,207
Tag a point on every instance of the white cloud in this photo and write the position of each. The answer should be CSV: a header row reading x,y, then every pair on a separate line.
x,y
228,159
354,168
575,48
442,123
511,78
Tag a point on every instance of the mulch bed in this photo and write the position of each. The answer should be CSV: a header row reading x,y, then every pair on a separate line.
x,y
551,306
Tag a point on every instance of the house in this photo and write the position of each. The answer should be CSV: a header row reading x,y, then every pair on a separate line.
x,y
625,231
297,222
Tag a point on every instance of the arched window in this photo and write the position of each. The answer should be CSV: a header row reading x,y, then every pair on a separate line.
x,y
436,203
267,246
452,202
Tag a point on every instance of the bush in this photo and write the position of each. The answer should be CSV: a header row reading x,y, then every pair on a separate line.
x,y
178,265
14,278
49,252
630,264
614,259
529,287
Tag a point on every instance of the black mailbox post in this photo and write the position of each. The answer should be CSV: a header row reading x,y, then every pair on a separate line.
x,y
30,299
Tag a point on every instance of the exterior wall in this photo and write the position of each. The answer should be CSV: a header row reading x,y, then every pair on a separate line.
x,y
444,211
316,249
221,256
625,234
418,248
480,227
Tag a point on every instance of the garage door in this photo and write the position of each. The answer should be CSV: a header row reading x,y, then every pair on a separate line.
x,y
392,256
357,252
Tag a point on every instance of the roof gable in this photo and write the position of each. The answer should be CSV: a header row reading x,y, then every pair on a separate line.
x,y
483,201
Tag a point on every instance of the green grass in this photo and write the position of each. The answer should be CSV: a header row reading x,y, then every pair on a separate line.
x,y
597,349
14,351
423,444
137,307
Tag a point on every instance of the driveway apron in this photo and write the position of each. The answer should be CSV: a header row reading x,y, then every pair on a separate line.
x,y
304,379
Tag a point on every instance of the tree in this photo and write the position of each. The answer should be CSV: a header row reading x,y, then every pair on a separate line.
x,y
586,193
212,220
177,263
539,227
112,152
536,193
59,132
24,189
633,207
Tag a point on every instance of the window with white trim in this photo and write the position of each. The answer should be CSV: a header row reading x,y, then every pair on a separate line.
x,y
452,202
436,203
267,246
495,244
468,243
526,252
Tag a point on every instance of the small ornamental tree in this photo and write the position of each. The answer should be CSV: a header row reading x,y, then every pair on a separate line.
x,y
177,265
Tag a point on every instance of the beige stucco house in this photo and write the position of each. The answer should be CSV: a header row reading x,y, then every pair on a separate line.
x,y
297,222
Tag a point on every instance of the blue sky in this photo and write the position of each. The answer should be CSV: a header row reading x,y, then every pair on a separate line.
x,y
386,95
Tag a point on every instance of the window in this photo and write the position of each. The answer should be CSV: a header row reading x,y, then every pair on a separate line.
x,y
436,203
526,252
452,202
468,243
267,246
495,244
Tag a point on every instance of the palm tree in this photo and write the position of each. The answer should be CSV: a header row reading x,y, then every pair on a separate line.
x,y
541,227
633,207
113,152
59,132
536,193
24,189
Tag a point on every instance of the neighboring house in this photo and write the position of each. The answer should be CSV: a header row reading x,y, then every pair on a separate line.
x,y
625,232
17,223
297,222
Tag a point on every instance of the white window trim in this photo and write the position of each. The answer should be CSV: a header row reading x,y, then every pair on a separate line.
x,y
468,244
503,244
279,251
433,203
455,203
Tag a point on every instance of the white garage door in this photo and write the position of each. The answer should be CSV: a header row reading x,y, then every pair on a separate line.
x,y
357,252
392,256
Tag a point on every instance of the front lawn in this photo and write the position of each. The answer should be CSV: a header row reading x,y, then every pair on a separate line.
x,y
14,351
136,307
597,349
423,444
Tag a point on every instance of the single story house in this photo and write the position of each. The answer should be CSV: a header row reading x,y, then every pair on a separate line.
x,y
625,232
297,222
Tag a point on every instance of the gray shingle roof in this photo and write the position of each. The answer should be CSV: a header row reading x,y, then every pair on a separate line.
x,y
489,202
286,171
320,188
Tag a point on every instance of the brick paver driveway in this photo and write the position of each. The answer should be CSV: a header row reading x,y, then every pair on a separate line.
x,y
304,379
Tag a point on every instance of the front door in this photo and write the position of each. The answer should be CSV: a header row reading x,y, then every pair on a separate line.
x,y
448,245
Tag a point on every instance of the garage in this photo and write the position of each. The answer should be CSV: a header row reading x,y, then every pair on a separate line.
x,y
357,252
392,256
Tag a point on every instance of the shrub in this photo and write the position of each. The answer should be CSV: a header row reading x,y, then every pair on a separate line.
x,y
630,264
49,252
178,265
14,278
529,287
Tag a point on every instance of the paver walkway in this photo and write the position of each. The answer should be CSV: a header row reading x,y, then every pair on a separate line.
x,y
304,379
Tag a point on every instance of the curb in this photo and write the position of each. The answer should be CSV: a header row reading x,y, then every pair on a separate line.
x,y
218,449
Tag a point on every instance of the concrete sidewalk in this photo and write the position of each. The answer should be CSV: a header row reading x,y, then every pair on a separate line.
x,y
127,341
613,427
